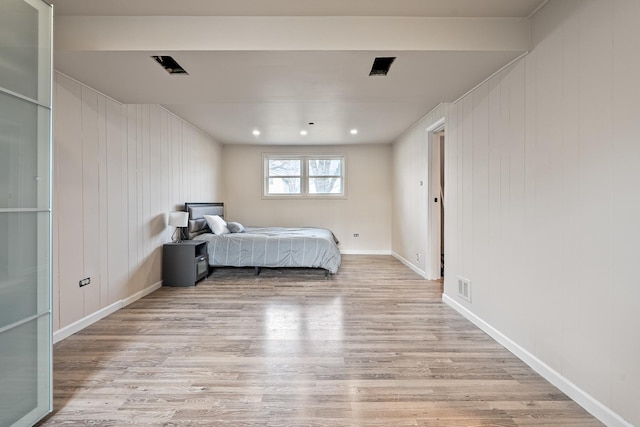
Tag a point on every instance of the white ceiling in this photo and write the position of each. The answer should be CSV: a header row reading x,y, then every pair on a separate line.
x,y
276,65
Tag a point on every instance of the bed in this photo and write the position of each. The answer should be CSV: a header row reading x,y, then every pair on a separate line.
x,y
260,247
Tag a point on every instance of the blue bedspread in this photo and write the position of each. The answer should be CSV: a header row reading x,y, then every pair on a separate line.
x,y
274,247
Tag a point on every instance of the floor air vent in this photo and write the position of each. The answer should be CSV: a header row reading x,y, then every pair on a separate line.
x,y
464,288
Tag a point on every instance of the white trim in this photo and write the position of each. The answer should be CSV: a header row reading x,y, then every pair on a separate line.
x,y
437,126
419,122
582,398
79,325
410,265
433,255
509,64
537,9
143,293
363,252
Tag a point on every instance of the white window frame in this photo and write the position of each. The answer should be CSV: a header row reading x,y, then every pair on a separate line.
x,y
304,176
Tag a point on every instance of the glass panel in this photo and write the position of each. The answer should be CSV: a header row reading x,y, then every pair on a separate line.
x,y
24,265
325,186
19,48
25,49
284,167
325,167
25,235
284,186
25,370
24,154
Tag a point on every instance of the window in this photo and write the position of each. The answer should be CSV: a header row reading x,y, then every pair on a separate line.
x,y
284,176
304,176
325,175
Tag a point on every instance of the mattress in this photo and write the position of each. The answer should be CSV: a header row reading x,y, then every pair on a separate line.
x,y
274,247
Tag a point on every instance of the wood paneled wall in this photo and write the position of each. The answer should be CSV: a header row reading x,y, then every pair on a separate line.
x,y
411,180
118,170
543,202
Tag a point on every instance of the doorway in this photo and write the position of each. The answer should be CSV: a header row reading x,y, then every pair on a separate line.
x,y
436,206
440,136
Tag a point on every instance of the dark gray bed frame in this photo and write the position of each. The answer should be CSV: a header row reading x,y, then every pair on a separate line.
x,y
197,224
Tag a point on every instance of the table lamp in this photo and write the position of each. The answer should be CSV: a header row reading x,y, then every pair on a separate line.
x,y
178,220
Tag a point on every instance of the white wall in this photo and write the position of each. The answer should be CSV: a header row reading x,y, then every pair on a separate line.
x,y
543,203
118,170
411,180
365,211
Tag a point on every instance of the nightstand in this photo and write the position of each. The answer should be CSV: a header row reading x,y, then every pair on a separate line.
x,y
184,263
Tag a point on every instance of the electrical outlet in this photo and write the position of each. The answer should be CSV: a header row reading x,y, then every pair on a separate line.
x,y
418,257
85,282
356,235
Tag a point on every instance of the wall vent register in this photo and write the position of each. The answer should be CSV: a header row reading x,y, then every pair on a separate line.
x,y
464,288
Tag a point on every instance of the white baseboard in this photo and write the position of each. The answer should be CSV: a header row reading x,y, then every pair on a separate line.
x,y
79,325
410,265
590,404
143,293
363,252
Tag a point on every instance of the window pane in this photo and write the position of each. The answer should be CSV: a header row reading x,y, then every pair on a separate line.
x,y
325,185
284,167
325,167
284,186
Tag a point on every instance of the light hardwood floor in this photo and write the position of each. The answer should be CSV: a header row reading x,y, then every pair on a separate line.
x,y
372,346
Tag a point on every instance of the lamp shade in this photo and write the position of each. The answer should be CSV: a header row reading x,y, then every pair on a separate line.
x,y
178,219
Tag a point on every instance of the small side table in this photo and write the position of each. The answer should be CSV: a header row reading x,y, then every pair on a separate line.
x,y
184,263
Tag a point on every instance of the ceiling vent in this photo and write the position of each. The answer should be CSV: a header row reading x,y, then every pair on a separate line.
x,y
381,66
169,64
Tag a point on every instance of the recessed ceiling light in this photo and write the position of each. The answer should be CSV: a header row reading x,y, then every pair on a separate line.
x,y
354,131
303,132
256,132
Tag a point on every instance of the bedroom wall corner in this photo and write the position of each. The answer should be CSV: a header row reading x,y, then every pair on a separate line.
x,y
410,191
118,170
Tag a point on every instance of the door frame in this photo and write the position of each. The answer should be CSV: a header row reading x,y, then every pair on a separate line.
x,y
434,217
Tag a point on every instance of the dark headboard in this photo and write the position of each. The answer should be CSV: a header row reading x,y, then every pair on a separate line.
x,y
197,211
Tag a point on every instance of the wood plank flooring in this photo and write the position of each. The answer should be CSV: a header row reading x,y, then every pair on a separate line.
x,y
372,346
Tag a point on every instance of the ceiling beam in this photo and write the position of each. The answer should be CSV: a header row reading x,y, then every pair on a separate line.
x,y
251,33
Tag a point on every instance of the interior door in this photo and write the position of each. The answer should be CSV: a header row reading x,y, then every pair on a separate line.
x,y
25,211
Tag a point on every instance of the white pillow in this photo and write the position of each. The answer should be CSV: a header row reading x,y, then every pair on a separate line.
x,y
217,224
